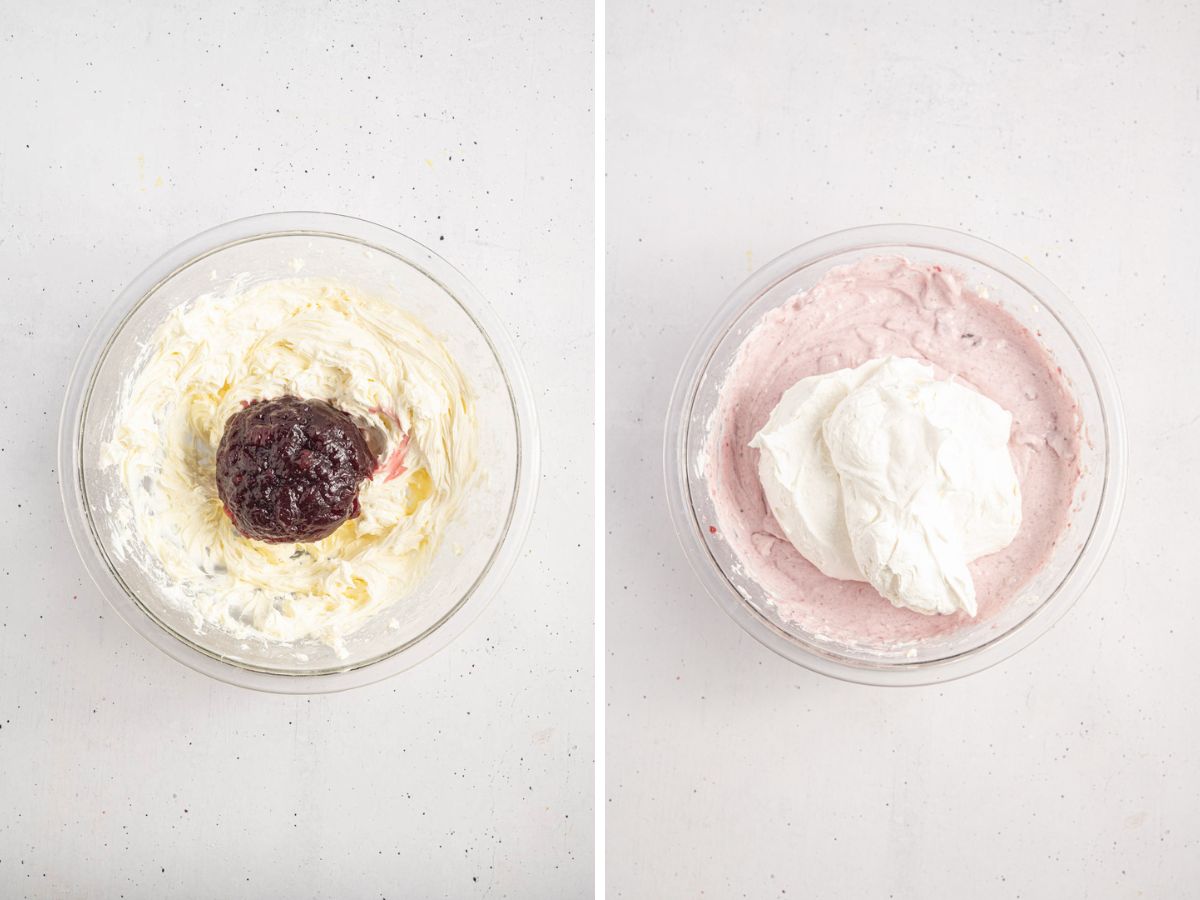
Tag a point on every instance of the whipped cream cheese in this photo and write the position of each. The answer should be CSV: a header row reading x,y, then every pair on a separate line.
x,y
885,474
311,338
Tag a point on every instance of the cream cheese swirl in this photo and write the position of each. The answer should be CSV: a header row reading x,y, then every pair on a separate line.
x,y
311,338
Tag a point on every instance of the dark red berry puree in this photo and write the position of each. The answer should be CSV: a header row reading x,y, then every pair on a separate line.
x,y
289,470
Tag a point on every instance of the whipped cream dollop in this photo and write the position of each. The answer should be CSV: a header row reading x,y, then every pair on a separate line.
x,y
884,473
309,338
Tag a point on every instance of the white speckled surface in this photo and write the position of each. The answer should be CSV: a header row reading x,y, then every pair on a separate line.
x,y
1068,133
467,126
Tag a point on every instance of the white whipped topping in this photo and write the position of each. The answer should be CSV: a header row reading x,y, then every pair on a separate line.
x,y
887,475
310,338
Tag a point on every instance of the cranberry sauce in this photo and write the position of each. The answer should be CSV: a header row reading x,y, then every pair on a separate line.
x,y
289,470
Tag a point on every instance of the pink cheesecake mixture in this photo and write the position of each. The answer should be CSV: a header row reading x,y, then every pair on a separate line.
x,y
887,306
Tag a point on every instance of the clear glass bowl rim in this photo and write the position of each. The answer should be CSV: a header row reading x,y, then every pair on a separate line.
x,y
862,239
381,239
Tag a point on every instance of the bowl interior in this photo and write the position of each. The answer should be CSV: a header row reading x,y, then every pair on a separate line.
x,y
1032,307
471,543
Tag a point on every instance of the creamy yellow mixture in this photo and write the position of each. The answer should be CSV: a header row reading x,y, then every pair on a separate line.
x,y
314,339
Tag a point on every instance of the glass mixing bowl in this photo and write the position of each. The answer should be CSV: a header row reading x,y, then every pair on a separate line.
x,y
487,531
1038,305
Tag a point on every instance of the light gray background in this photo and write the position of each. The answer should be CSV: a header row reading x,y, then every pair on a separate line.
x,y
129,128
1066,132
